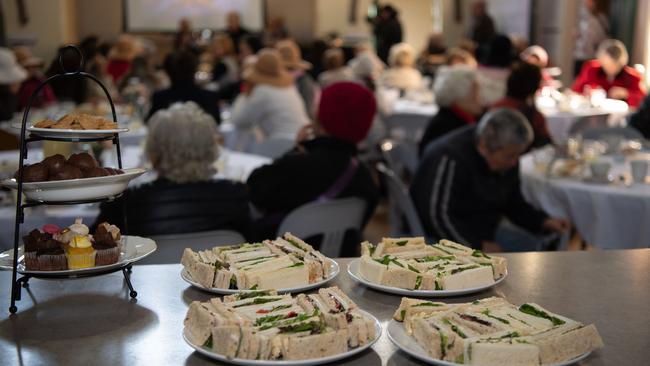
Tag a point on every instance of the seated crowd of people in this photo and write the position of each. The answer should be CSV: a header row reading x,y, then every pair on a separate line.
x,y
467,180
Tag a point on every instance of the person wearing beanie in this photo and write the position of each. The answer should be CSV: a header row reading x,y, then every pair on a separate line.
x,y
325,154
270,103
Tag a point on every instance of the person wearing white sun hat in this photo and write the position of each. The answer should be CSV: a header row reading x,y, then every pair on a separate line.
x,y
11,75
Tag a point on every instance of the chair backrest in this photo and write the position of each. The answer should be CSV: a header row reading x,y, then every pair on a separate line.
x,y
400,156
600,133
400,204
170,247
330,219
408,126
273,147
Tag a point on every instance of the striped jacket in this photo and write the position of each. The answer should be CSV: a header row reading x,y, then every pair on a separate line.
x,y
459,198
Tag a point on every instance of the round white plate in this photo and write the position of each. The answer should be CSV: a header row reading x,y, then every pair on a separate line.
x,y
353,270
77,189
134,248
74,134
316,361
397,334
224,291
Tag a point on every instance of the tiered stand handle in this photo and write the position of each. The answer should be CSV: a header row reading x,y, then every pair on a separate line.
x,y
20,206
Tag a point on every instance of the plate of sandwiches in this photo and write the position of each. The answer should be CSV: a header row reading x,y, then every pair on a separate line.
x,y
265,328
488,332
76,125
287,264
410,267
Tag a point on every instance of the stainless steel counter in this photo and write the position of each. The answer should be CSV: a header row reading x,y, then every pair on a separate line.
x,y
93,321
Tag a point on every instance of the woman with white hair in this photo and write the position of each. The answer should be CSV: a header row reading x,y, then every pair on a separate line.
x,y
401,73
457,94
182,149
609,71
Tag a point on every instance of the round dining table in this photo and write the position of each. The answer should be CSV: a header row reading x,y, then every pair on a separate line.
x,y
610,215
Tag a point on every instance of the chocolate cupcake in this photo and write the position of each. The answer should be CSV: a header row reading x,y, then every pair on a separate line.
x,y
31,241
52,256
43,252
106,247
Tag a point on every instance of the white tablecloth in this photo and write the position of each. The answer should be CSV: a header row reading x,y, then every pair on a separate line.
x,y
560,123
606,216
231,165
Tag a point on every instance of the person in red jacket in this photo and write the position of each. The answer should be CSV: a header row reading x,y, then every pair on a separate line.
x,y
611,73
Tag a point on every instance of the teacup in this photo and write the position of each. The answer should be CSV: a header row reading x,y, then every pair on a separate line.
x,y
639,170
600,170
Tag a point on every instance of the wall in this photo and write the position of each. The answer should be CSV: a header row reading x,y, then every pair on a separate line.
x,y
102,18
299,17
50,24
333,15
417,21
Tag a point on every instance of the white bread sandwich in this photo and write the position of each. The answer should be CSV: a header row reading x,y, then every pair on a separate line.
x,y
286,262
266,326
492,331
410,263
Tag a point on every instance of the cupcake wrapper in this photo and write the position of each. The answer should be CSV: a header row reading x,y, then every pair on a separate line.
x,y
85,260
31,261
107,256
49,262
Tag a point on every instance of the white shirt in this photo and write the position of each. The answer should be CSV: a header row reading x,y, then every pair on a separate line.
x,y
275,111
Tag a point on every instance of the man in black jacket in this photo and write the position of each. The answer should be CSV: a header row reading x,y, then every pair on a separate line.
x,y
325,153
469,180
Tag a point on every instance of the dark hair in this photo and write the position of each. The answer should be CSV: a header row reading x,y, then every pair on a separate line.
x,y
392,12
501,53
88,46
104,48
252,41
524,80
181,66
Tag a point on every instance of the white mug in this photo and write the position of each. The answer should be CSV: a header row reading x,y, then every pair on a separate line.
x,y
600,169
639,170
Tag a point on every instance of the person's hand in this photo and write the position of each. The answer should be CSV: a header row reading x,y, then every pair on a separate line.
x,y
491,247
306,133
556,225
617,92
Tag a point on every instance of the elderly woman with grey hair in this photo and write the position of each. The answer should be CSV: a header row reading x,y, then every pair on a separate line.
x,y
469,181
184,197
457,94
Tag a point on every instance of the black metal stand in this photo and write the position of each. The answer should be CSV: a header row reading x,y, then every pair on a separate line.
x,y
23,282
